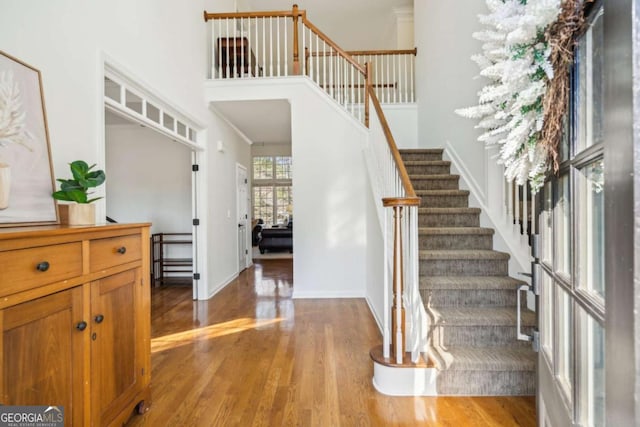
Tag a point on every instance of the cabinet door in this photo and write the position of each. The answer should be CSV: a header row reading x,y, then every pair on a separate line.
x,y
117,356
43,354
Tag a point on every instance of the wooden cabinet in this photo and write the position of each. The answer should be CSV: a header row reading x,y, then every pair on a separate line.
x,y
75,320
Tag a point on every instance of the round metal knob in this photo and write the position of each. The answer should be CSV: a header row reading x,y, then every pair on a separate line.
x,y
99,318
43,266
81,326
122,250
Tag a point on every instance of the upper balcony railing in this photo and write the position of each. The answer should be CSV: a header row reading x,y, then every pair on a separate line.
x,y
272,44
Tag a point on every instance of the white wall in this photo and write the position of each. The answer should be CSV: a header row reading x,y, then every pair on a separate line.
x,y
403,122
445,78
329,185
162,42
149,179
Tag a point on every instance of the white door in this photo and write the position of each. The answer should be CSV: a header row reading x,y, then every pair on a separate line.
x,y
570,272
242,185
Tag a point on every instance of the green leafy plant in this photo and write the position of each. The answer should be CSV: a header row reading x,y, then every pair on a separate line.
x,y
77,189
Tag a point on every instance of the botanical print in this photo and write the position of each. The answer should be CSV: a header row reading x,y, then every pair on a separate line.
x,y
25,168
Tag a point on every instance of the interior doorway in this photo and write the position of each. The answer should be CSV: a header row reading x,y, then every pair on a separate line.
x,y
150,155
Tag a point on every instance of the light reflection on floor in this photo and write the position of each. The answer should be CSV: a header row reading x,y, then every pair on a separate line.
x,y
273,299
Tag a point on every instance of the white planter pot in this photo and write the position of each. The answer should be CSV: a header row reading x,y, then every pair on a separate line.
x,y
5,185
82,214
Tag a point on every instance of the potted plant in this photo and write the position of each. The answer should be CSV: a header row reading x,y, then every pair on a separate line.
x,y
76,190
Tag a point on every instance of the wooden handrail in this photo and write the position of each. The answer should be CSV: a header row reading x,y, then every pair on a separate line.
x,y
413,52
389,202
331,43
410,194
370,52
274,14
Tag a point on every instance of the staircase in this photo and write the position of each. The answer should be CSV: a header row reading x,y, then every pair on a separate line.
x,y
465,285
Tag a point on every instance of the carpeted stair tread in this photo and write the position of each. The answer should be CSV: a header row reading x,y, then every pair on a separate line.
x,y
481,316
455,231
452,211
469,282
484,254
442,192
427,163
434,177
516,358
422,151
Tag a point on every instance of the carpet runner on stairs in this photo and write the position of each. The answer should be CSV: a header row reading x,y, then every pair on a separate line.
x,y
466,289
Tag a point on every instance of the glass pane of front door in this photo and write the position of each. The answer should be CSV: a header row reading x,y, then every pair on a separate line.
x,y
590,212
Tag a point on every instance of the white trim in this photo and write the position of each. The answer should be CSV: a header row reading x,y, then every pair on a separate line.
x,y
323,294
132,115
115,69
247,222
404,381
222,285
464,172
374,314
222,117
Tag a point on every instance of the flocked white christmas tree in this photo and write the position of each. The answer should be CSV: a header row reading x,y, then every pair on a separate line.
x,y
515,59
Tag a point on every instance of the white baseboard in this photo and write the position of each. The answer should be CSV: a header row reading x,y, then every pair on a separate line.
x,y
404,381
324,294
375,317
222,285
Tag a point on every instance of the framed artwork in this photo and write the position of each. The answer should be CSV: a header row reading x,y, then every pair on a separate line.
x,y
26,174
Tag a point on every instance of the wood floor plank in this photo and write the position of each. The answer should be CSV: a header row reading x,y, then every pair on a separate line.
x,y
253,356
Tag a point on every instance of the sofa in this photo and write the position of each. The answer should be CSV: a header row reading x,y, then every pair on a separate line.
x,y
276,239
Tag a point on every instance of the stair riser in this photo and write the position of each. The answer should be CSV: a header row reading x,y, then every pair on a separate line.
x,y
482,336
457,241
428,169
486,383
467,267
469,297
461,201
435,184
449,220
431,157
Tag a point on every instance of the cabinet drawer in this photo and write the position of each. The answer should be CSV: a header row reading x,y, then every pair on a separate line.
x,y
105,253
24,269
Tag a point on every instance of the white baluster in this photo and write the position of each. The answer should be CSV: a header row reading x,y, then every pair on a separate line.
x,y
242,49
411,79
331,72
228,50
394,80
303,53
317,59
270,46
324,66
264,46
386,335
525,207
278,57
286,48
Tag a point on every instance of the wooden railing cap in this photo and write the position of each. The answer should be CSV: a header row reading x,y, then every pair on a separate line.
x,y
388,202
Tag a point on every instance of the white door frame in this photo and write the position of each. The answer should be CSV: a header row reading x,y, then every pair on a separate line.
x,y
239,214
116,71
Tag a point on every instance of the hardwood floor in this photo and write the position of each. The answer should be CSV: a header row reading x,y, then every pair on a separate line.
x,y
252,356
